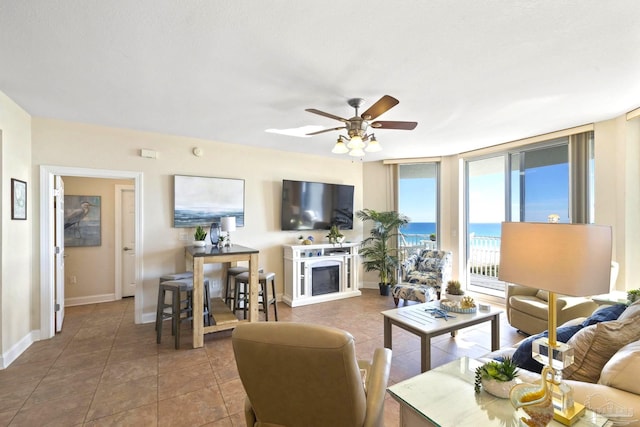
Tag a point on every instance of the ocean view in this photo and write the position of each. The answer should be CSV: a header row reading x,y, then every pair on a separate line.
x,y
426,228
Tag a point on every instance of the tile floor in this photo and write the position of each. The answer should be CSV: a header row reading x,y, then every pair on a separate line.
x,y
103,370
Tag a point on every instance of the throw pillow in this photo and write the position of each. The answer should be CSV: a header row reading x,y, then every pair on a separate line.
x,y
631,311
523,357
594,345
604,314
620,371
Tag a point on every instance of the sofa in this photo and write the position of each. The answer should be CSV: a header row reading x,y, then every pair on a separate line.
x,y
422,275
604,375
528,308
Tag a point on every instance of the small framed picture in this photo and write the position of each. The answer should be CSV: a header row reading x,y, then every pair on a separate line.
x,y
18,199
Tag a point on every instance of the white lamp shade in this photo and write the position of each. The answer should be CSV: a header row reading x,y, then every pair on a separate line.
x,y
340,148
373,146
228,223
568,259
355,142
356,152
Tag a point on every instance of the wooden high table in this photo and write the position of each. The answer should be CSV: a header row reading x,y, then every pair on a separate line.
x,y
224,319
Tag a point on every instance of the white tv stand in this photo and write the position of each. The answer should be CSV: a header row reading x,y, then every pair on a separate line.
x,y
334,267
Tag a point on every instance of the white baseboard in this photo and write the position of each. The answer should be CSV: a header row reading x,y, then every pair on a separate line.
x,y
92,299
369,285
149,317
18,348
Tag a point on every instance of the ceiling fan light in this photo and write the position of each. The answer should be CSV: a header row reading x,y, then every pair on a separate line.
x,y
340,147
373,146
356,142
356,152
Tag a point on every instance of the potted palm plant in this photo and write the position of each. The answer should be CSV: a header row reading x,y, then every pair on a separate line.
x,y
378,251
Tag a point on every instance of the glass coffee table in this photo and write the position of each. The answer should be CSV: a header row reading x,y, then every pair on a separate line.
x,y
445,397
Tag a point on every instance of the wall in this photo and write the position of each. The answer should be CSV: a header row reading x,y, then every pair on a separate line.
x,y
617,203
93,267
79,145
16,284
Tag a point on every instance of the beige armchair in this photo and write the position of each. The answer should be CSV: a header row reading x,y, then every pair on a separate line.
x,y
528,308
307,375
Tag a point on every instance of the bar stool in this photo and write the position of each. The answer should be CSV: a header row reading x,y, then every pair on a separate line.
x,y
229,292
187,278
178,284
229,288
242,293
177,307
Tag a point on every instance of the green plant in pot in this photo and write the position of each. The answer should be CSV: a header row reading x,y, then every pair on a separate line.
x,y
496,377
335,236
633,295
453,291
199,236
379,252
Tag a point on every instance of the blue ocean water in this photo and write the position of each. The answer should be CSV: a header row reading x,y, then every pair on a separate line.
x,y
479,229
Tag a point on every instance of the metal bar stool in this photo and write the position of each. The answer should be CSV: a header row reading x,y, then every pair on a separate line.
x,y
242,293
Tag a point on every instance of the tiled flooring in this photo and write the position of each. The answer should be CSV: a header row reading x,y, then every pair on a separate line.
x,y
103,370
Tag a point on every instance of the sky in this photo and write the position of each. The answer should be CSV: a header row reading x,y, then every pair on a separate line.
x,y
546,193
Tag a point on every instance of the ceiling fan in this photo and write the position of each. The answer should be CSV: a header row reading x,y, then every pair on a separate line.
x,y
358,125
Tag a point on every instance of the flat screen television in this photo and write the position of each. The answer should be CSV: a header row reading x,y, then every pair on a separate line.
x,y
316,205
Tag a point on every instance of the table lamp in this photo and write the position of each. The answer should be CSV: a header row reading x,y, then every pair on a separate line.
x,y
567,259
228,224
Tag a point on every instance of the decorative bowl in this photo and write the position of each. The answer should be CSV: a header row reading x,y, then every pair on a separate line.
x,y
455,308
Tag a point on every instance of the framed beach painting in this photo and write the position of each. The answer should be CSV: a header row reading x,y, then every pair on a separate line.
x,y
18,199
201,200
82,221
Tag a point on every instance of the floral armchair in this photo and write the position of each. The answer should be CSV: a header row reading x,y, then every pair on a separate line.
x,y
423,274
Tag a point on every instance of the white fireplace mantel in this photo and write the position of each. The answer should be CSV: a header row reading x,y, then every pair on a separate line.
x,y
299,262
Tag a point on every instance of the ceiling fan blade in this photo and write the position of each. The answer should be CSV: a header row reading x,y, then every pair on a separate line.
x,y
326,130
394,125
322,113
384,104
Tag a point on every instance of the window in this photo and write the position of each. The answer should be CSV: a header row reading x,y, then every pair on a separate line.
x,y
418,199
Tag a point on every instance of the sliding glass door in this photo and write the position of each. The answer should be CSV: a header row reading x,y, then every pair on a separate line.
x,y
527,185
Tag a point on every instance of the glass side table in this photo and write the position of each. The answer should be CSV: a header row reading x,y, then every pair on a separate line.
x,y
445,397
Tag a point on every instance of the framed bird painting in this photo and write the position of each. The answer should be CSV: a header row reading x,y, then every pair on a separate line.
x,y
82,222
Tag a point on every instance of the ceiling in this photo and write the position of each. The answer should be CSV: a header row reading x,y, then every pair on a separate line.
x,y
472,73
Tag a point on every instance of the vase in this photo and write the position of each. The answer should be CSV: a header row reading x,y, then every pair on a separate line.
x,y
199,243
214,233
497,388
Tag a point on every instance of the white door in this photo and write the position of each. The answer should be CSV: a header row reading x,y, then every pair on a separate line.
x,y
128,239
59,252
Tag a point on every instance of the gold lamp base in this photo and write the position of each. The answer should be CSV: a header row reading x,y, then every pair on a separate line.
x,y
570,416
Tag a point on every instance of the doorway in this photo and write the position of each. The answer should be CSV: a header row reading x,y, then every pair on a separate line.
x,y
47,243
